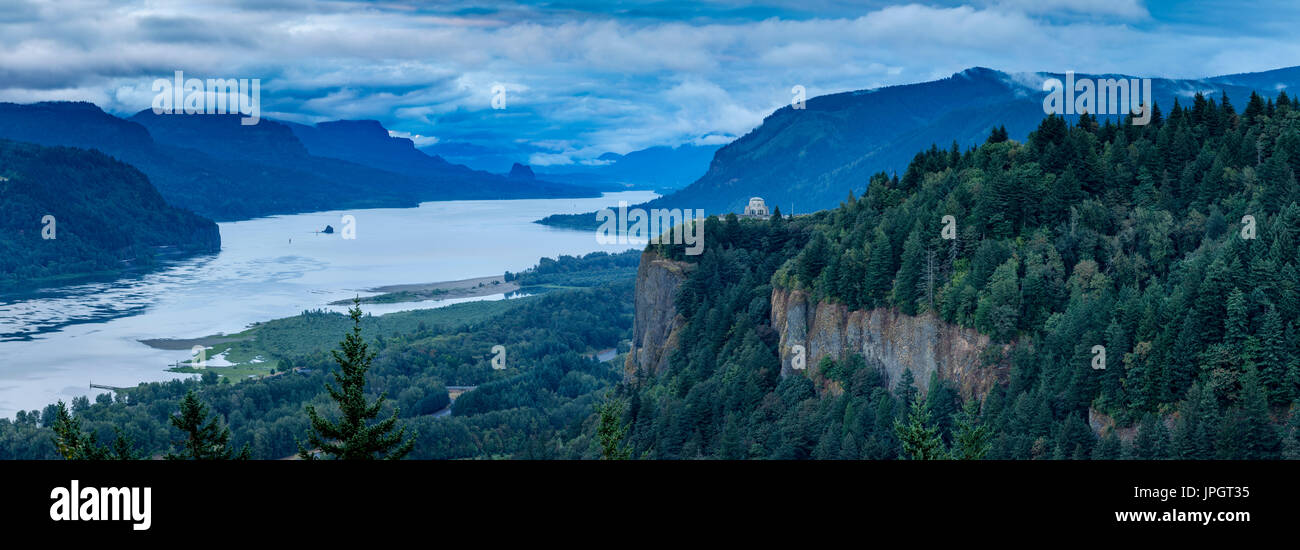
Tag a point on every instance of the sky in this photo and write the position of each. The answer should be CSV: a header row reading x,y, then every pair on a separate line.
x,y
582,78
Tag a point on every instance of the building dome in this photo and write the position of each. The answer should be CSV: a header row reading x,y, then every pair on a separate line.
x,y
756,208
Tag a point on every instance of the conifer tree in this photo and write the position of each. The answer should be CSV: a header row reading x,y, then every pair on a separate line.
x,y
1278,373
354,437
74,444
205,438
70,441
909,274
1107,448
1254,108
1152,441
610,430
920,439
972,439
1291,443
1257,436
880,270
905,390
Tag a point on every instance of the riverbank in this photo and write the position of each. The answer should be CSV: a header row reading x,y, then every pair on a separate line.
x,y
264,348
419,292
54,340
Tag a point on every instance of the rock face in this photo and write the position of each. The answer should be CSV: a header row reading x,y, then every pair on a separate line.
x,y
923,344
521,172
885,337
655,327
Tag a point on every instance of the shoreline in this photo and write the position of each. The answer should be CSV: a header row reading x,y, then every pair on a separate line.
x,y
442,290
388,294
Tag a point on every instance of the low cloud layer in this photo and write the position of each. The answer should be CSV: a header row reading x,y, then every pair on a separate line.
x,y
579,82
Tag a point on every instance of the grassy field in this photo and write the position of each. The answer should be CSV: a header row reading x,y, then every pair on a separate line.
x,y
258,350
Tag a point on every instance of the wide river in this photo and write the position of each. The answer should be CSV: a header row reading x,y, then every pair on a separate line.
x,y
55,342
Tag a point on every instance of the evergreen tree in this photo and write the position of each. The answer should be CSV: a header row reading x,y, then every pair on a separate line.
x,y
1236,325
998,135
1152,441
1107,448
920,439
1254,108
70,441
610,430
909,274
353,437
813,259
1278,372
972,438
1256,436
123,447
880,270
1291,443
905,390
205,438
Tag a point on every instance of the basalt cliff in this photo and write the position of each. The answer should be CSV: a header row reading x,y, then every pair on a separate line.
x,y
886,338
655,327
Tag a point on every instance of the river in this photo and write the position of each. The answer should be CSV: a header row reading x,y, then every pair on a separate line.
x,y
55,342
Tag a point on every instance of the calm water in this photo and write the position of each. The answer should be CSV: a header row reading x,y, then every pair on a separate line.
x,y
54,343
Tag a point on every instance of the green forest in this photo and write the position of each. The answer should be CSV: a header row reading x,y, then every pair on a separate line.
x,y
70,212
539,406
1173,245
1119,235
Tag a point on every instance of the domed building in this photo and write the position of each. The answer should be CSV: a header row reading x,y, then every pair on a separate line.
x,y
756,209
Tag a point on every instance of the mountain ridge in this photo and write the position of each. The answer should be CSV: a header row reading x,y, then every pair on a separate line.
x,y
226,171
811,158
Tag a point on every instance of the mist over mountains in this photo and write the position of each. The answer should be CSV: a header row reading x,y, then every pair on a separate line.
x,y
804,160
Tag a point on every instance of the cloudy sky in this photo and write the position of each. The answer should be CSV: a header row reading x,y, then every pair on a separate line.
x,y
585,77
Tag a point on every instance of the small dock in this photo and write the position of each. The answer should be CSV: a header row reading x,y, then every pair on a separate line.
x,y
95,386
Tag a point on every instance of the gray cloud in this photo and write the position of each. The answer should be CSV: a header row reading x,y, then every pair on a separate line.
x,y
584,78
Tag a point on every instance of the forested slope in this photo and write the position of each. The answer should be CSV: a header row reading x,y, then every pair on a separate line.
x,y
1122,236
106,216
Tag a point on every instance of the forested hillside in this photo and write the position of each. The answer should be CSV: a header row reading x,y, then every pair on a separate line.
x,y
806,159
106,216
1173,245
214,165
1170,246
536,407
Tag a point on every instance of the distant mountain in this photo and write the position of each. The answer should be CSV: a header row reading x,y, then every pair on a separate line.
x,y
521,172
809,159
655,168
104,216
216,186
368,143
221,169
479,157
658,168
